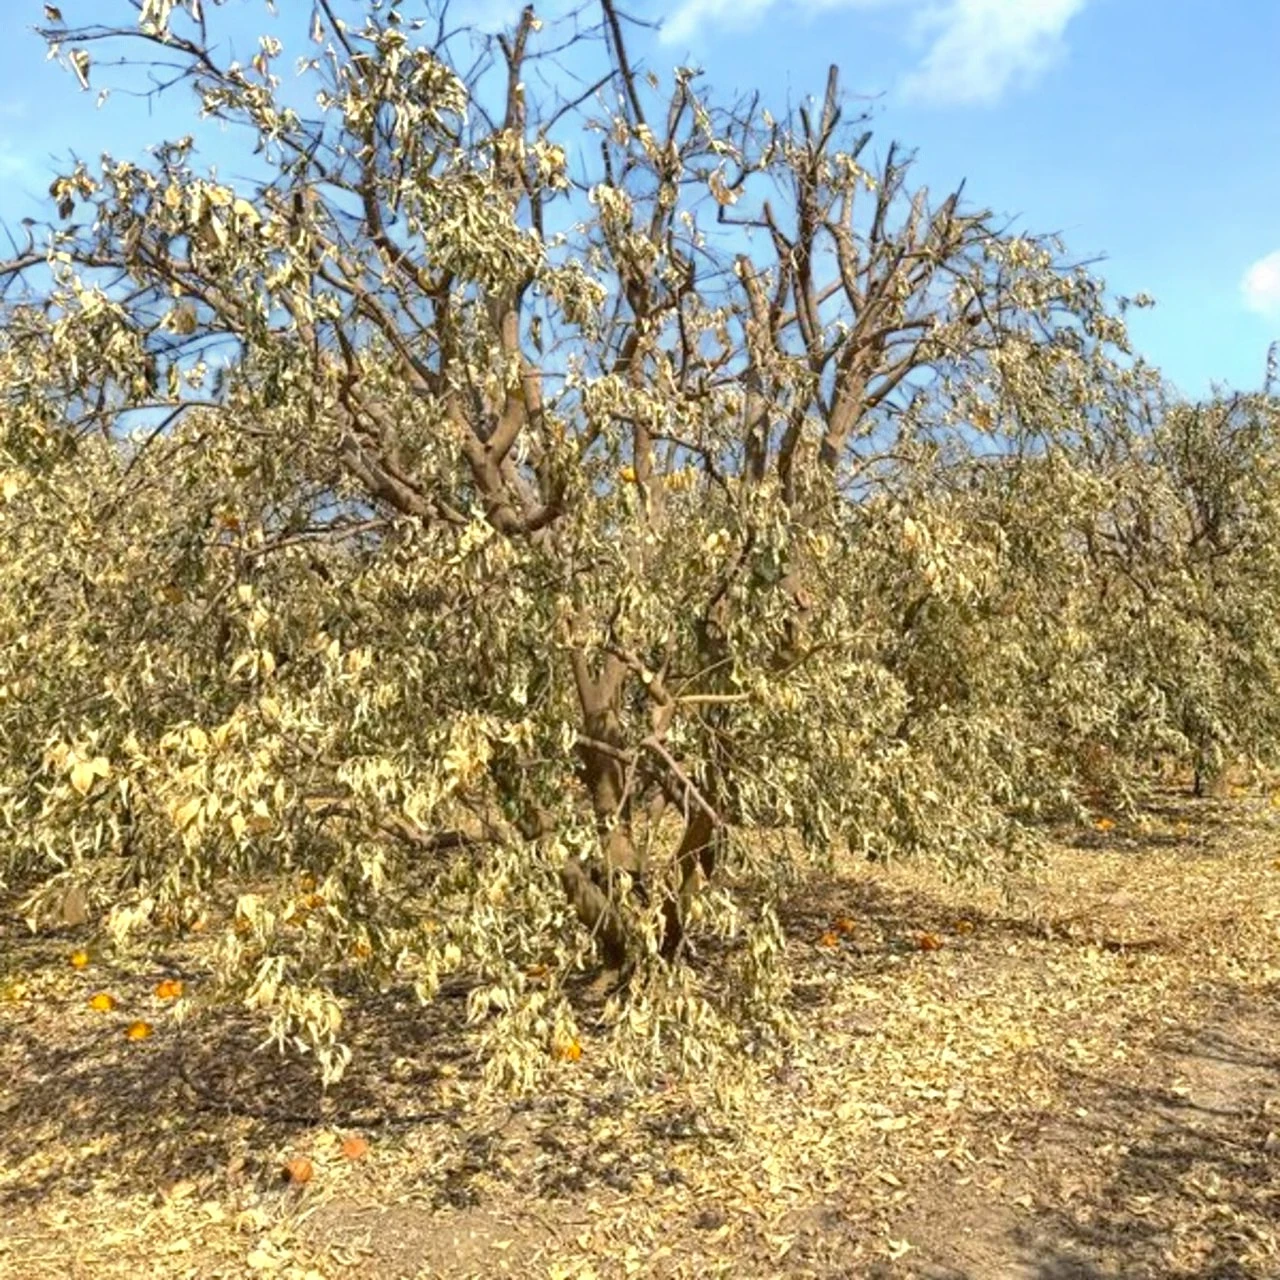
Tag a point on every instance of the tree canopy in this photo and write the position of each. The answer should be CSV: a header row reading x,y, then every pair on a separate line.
x,y
549,501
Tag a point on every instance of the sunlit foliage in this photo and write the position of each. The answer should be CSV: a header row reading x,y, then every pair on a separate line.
x,y
527,512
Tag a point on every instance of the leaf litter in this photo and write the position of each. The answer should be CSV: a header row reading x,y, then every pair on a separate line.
x,y
1077,1066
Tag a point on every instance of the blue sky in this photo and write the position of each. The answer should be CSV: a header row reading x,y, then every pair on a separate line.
x,y
1147,131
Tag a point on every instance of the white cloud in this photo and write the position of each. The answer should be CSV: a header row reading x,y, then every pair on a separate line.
x,y
973,50
982,47
1260,286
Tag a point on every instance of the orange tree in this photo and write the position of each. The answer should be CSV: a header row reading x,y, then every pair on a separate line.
x,y
461,545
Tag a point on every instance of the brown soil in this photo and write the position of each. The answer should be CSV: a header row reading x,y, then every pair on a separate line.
x,y
1082,1081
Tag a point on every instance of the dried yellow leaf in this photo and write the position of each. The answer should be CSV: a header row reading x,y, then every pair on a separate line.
x,y
84,772
186,813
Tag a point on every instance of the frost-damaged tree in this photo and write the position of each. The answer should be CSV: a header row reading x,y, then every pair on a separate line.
x,y
460,527
1185,557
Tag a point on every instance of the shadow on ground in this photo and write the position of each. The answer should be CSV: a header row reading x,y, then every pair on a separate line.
x,y
85,1110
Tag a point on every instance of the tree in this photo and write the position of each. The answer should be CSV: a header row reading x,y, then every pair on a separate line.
x,y
529,493
1185,554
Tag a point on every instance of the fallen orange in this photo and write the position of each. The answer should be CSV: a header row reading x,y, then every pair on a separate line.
x,y
355,1147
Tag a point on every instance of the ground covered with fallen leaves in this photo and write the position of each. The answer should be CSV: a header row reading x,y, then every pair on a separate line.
x,y
1076,1075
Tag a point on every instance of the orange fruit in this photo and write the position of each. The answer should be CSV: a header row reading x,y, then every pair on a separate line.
x,y
355,1147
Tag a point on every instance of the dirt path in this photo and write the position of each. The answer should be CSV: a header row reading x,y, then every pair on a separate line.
x,y
1080,1082
1177,1178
